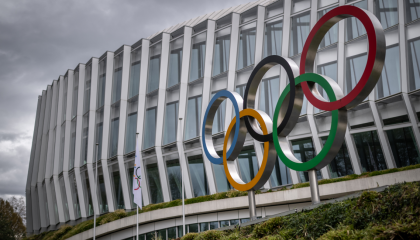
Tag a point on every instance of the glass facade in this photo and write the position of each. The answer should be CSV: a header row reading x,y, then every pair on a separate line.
x,y
175,62
341,165
246,46
222,184
134,82
193,118
198,55
64,199
154,68
75,94
64,100
387,12
299,5
85,137
414,63
219,117
390,81
412,10
75,196
198,176
221,51
101,84
304,151
370,152
273,38
171,123
403,146
131,127
173,169
354,27
149,128
329,70
99,133
153,181
101,192
86,97
87,194
115,177
355,66
331,36
299,31
248,164
269,94
72,144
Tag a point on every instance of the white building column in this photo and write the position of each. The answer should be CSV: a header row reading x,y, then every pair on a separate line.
x,y
182,111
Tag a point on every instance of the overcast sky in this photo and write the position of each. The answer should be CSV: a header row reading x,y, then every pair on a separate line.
x,y
41,39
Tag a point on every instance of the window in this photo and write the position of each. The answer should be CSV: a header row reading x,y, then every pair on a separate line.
x,y
101,192
299,5
180,230
154,68
101,84
86,98
355,66
224,223
370,151
64,100
389,82
329,70
403,146
172,233
171,123
44,193
273,38
248,164
153,180
246,53
299,33
149,128
387,12
64,199
62,141
224,21
414,63
274,9
173,169
99,133
116,186
331,36
150,235
134,82
280,175
75,94
412,8
198,54
54,199
131,126
221,51
74,195
354,27
269,95
193,123
198,176
341,165
161,234
214,225
304,151
87,194
72,144
324,3
219,118
117,80
222,182
85,136
234,222
175,62
249,15
240,90
193,228
204,226
115,124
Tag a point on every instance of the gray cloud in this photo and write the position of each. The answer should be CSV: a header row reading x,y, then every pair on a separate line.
x,y
40,40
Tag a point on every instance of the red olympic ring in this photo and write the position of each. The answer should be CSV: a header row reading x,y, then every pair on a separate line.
x,y
375,60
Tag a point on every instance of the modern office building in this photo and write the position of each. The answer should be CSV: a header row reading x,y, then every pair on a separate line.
x,y
147,87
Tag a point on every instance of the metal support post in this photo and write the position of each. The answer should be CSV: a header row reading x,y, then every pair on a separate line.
x,y
252,205
313,182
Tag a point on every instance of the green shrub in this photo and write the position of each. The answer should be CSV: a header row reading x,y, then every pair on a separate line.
x,y
189,236
210,235
59,233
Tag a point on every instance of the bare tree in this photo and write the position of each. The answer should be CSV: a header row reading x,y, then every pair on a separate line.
x,y
19,207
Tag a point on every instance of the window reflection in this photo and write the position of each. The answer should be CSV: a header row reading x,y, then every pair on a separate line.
x,y
273,38
248,164
329,70
101,84
117,79
390,82
331,36
370,151
219,117
131,125
153,180
87,194
222,183
354,27
154,68
246,53
387,12
171,123
304,151
198,54
221,52
149,128
412,10
269,94
354,69
299,5
198,176
175,62
64,199
133,85
299,33
414,63
101,192
117,187
403,146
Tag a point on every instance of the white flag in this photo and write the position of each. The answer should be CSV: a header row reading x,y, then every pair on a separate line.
x,y
137,178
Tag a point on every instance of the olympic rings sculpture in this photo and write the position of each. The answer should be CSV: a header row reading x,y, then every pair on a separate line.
x,y
260,126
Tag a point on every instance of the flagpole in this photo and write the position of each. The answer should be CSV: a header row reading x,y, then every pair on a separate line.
x,y
182,186
137,206
97,202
